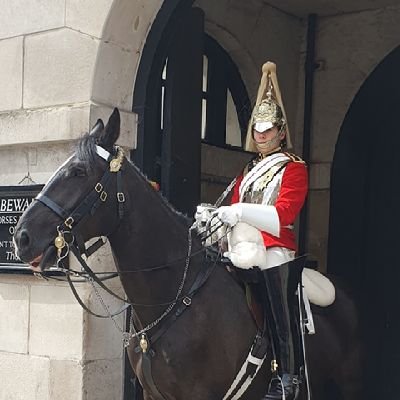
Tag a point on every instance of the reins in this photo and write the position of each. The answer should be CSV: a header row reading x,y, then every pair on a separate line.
x,y
135,271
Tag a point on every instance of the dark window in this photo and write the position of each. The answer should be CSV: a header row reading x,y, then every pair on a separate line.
x,y
225,104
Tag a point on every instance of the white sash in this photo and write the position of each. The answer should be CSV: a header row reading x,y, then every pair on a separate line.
x,y
259,170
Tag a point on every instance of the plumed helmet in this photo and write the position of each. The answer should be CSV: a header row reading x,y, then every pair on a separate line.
x,y
268,110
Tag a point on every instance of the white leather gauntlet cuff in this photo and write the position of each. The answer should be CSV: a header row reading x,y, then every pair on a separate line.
x,y
261,217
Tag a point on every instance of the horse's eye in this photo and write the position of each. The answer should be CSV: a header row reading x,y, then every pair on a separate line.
x,y
76,171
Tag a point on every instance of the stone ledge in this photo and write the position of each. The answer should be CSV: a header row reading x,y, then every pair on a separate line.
x,y
60,124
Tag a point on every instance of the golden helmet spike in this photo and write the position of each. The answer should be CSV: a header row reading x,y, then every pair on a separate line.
x,y
268,110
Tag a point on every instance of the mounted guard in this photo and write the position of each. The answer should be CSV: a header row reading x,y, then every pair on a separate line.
x,y
267,197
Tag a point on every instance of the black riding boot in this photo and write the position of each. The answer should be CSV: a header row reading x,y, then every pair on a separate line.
x,y
282,311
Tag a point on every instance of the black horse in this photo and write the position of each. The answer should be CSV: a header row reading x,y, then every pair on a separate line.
x,y
200,353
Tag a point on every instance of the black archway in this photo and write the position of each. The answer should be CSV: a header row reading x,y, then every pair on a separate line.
x,y
145,95
167,99
146,104
365,219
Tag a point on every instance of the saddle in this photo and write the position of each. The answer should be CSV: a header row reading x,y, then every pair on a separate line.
x,y
246,250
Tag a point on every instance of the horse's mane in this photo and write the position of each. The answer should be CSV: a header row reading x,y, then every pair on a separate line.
x,y
86,152
186,220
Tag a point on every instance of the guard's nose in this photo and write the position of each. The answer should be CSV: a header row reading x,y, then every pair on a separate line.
x,y
22,239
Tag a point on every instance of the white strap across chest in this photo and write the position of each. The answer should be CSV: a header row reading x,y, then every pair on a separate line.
x,y
259,170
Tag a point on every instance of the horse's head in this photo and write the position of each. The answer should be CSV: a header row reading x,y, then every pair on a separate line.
x,y
86,182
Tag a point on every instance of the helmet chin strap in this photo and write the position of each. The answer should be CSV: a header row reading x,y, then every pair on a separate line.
x,y
269,145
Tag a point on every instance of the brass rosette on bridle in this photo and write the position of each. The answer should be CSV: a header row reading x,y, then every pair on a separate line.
x,y
62,243
116,163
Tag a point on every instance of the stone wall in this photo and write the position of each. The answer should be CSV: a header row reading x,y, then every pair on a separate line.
x,y
48,343
64,63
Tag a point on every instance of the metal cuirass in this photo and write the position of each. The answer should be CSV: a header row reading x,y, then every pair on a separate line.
x,y
262,183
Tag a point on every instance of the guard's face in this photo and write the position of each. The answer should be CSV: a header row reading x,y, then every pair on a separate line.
x,y
269,139
262,137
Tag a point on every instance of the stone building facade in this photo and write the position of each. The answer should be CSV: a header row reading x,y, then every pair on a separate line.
x,y
65,63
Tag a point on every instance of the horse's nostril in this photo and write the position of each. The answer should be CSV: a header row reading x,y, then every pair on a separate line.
x,y
23,240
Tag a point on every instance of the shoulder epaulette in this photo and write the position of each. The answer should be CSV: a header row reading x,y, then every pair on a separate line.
x,y
295,158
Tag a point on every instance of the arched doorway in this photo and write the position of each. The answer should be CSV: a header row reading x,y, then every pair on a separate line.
x,y
364,218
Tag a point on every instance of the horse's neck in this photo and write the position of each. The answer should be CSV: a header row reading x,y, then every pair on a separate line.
x,y
151,234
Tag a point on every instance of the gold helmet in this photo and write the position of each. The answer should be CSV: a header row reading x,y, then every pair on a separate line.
x,y
268,110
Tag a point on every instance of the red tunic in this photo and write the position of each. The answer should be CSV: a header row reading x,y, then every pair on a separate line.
x,y
288,204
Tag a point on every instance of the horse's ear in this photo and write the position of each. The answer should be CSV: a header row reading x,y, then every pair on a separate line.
x,y
111,132
97,127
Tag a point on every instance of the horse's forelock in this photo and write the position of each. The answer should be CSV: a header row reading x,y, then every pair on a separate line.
x,y
86,149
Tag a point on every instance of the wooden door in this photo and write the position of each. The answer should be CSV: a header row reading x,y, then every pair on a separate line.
x,y
181,141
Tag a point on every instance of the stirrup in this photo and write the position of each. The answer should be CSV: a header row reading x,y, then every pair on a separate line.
x,y
286,387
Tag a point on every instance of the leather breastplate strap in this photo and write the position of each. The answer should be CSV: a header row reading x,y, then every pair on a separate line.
x,y
147,355
148,382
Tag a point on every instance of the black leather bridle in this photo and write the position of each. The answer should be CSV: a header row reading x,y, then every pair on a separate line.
x,y
97,196
69,238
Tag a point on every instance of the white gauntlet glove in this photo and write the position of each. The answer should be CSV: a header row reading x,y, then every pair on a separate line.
x,y
229,215
264,218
